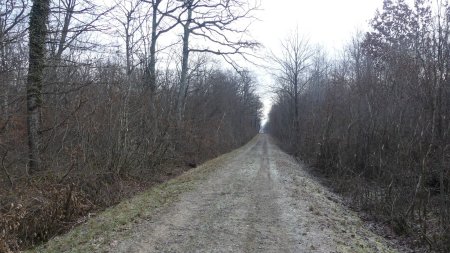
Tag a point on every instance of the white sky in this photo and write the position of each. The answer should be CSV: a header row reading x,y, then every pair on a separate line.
x,y
329,23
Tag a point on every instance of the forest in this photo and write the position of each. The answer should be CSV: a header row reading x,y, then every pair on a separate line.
x,y
94,108
375,122
102,100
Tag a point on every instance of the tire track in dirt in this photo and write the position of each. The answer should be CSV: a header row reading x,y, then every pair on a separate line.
x,y
266,229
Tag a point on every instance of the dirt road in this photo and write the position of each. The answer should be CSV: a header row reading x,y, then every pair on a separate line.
x,y
260,200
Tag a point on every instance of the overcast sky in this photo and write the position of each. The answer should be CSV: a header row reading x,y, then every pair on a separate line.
x,y
329,23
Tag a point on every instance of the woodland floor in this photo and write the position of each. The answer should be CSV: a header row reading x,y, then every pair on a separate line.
x,y
254,199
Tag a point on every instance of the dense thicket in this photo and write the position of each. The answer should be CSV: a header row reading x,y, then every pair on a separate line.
x,y
105,128
377,121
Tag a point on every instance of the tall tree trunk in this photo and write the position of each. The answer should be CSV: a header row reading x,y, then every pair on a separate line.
x,y
184,66
122,149
152,63
296,114
37,34
4,78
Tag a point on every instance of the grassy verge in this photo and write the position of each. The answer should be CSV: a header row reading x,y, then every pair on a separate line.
x,y
101,230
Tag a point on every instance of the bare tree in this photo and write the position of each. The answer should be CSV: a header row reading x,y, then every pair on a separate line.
x,y
70,20
160,11
131,21
291,71
222,24
12,18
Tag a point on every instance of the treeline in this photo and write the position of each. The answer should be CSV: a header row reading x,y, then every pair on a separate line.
x,y
377,121
110,119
